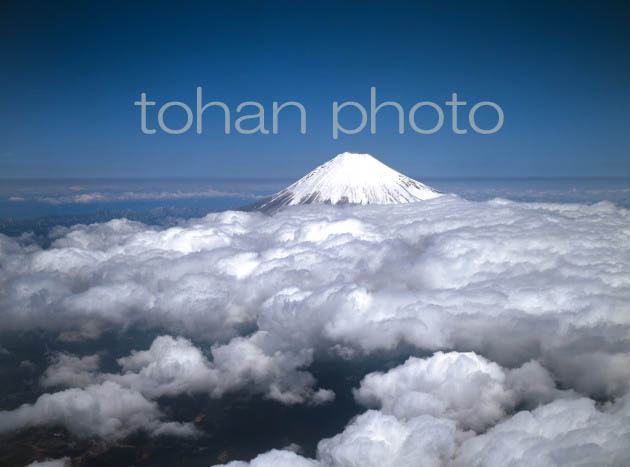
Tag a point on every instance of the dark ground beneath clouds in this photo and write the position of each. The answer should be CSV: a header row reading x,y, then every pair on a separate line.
x,y
447,333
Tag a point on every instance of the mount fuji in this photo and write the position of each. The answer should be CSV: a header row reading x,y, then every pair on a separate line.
x,y
350,178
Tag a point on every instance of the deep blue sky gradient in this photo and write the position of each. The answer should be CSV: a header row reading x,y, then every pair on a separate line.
x,y
71,72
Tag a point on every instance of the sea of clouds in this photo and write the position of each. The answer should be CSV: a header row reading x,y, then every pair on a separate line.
x,y
518,315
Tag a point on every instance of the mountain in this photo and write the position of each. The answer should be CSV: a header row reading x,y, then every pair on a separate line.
x,y
350,179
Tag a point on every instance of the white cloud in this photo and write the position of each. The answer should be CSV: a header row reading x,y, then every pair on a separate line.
x,y
63,462
70,370
375,440
565,432
174,366
113,405
114,196
562,433
105,410
539,292
276,458
464,387
378,440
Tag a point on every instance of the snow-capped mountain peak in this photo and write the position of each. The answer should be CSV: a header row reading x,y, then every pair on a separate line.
x,y
351,178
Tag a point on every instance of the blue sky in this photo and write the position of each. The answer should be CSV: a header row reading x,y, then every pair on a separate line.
x,y
70,76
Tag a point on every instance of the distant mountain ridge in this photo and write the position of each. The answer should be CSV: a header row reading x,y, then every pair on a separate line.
x,y
350,178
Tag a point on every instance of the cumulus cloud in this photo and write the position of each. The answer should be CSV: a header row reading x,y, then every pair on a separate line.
x,y
562,433
379,440
113,405
565,432
539,293
70,370
276,458
174,366
375,440
105,410
63,462
464,387
427,405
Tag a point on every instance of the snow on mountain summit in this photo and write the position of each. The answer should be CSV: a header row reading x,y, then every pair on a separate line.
x,y
351,178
